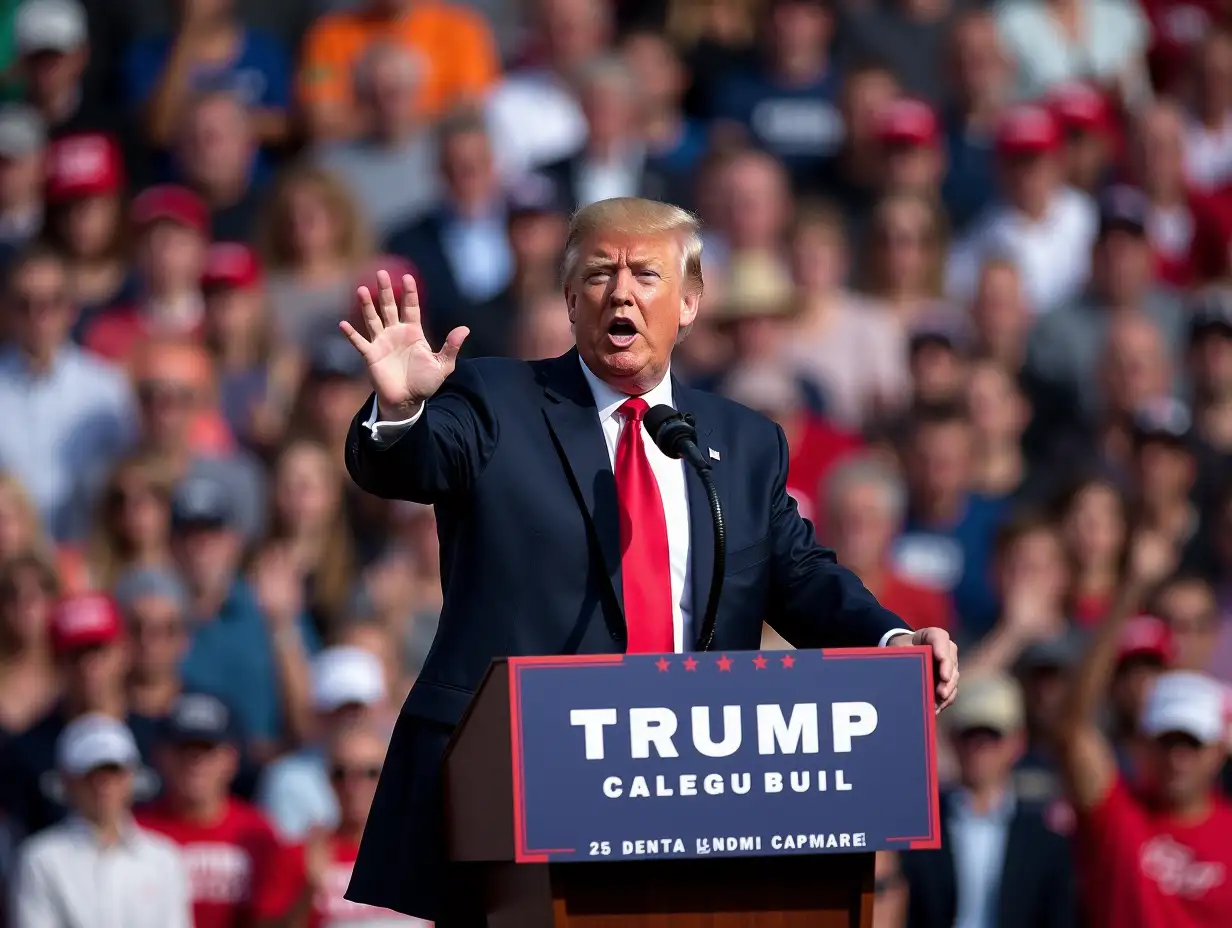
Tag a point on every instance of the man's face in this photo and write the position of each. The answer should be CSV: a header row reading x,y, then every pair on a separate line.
x,y
999,314
216,146
159,637
1045,691
169,405
1188,606
40,307
659,75
628,300
863,525
355,767
1086,157
208,555
95,674
986,757
755,206
610,114
171,256
1165,471
52,73
941,460
1211,363
1132,682
199,772
912,167
996,409
1135,367
799,27
1036,561
1123,265
392,96
466,162
1179,770
1030,179
937,371
103,794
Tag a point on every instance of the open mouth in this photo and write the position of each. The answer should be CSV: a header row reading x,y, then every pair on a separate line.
x,y
622,332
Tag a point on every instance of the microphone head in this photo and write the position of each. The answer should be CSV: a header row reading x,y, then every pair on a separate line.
x,y
669,428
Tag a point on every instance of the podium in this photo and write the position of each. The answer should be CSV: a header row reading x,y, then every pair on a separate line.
x,y
725,791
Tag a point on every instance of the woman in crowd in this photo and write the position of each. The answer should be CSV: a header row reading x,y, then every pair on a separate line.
x,y
313,243
1095,529
21,533
308,517
906,260
133,525
28,681
85,221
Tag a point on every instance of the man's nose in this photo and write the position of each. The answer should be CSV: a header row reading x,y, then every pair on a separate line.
x,y
621,293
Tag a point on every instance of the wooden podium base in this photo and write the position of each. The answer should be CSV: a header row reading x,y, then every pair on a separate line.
x,y
830,891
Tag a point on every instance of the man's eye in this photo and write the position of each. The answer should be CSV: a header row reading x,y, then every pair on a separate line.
x,y
647,275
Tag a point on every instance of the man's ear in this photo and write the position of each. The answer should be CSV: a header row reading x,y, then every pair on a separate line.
x,y
571,304
689,307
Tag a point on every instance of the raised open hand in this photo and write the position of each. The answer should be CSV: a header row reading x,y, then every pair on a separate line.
x,y
402,366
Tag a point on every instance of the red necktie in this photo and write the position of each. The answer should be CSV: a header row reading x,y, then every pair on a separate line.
x,y
645,562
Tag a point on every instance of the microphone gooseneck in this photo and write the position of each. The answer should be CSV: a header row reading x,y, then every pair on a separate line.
x,y
675,435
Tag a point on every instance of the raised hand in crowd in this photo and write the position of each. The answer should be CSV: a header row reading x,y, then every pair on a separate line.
x,y
278,582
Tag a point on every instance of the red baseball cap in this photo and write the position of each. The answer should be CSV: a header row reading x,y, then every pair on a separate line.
x,y
1145,636
1079,107
1027,130
230,266
173,203
83,166
907,122
84,621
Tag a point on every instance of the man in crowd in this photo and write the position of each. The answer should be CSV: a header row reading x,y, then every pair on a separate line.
x,y
100,866
215,153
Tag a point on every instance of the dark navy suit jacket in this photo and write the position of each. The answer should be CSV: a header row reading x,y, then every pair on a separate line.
x,y
512,455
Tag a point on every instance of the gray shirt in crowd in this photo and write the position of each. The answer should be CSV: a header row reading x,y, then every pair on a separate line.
x,y
394,184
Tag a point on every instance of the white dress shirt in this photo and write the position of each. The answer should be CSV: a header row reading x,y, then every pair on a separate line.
x,y
67,879
668,472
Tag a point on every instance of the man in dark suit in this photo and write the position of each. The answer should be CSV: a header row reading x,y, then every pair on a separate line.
x,y
1003,862
563,528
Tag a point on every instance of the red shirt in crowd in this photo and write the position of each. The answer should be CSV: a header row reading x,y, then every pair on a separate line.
x,y
1142,869
1190,247
815,448
329,908
919,606
116,333
232,864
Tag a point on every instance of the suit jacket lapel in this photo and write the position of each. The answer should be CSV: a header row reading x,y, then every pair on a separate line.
x,y
701,527
574,423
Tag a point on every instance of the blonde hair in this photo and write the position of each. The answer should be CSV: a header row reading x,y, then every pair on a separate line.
x,y
36,538
273,233
634,215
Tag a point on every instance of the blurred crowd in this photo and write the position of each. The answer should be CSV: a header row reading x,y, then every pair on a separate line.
x,y
976,260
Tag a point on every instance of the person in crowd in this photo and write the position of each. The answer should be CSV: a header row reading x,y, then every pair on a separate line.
x,y
317,873
1084,114
999,415
613,161
22,531
1064,40
454,42
1134,372
312,238
391,167
333,383
716,39
865,504
228,848
1045,669
787,103
675,142
215,156
816,446
23,152
534,110
29,684
461,249
979,82
1183,226
1165,473
1149,848
1208,153
100,861
132,525
753,206
251,639
938,360
1210,366
1187,603
85,221
209,49
52,39
906,260
1045,227
87,638
1003,862
909,36
309,518
1094,525
349,687
912,155
947,540
154,603
1066,344
83,407
834,327
170,236
1000,319
1144,650
754,310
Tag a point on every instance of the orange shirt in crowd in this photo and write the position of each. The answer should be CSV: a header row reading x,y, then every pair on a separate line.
x,y
452,45
1142,869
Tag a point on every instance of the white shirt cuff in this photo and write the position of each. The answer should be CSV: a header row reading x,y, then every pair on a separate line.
x,y
893,633
385,432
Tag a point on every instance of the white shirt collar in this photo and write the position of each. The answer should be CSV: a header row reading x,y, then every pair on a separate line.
x,y
608,400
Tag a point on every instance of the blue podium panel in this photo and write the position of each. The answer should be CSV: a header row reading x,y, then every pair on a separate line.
x,y
741,754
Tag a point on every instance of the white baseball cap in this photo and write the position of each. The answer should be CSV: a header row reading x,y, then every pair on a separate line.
x,y
50,26
95,740
1190,703
347,675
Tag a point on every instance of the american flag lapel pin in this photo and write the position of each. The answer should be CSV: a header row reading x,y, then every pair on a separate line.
x,y
714,455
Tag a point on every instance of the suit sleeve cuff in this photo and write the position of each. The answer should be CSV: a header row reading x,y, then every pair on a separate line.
x,y
384,433
892,633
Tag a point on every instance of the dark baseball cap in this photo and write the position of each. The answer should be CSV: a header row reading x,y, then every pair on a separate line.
x,y
198,718
202,501
1165,419
1123,209
1211,312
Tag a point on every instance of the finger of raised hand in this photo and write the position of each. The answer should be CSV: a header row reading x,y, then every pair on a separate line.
x,y
389,305
372,319
448,355
410,300
361,344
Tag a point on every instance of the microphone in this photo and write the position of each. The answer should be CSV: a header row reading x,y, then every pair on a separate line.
x,y
676,436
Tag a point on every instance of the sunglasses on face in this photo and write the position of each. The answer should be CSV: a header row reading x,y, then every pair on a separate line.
x,y
340,773
177,394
